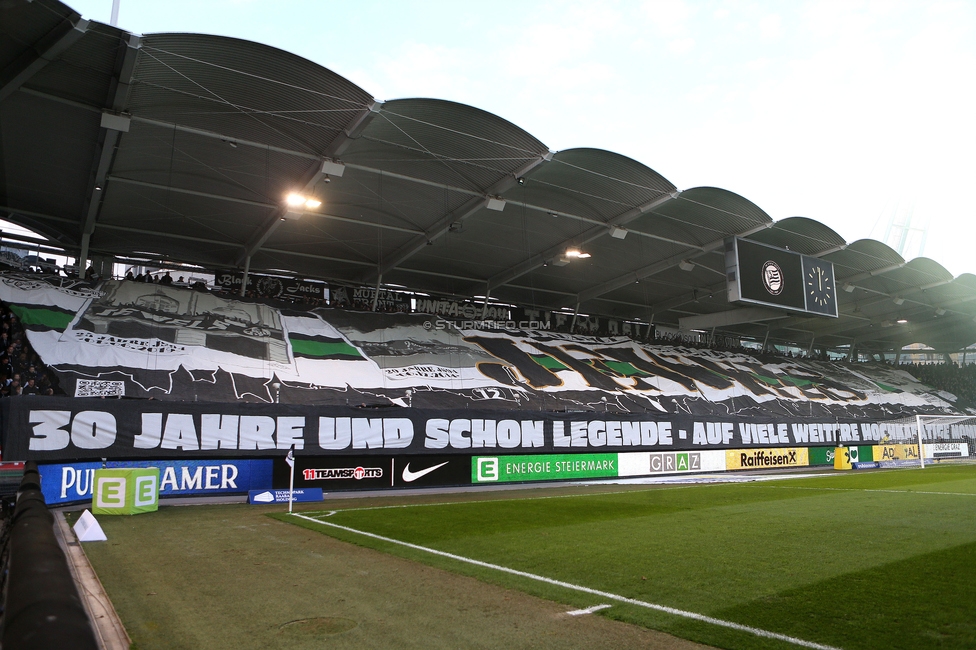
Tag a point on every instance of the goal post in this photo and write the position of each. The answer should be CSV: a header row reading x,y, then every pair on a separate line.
x,y
917,440
945,438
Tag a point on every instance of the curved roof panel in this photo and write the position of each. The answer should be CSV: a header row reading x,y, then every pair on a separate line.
x,y
445,142
183,146
242,89
802,235
863,256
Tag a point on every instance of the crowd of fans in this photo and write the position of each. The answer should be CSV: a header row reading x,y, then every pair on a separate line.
x,y
952,378
21,370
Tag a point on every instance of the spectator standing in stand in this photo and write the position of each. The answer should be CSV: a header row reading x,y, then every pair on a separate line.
x,y
31,388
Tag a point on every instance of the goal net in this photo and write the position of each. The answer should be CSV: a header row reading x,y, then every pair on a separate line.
x,y
917,440
946,438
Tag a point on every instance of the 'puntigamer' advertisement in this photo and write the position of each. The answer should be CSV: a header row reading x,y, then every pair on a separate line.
x,y
67,483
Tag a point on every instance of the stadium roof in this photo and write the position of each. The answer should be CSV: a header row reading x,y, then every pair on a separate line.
x,y
182,147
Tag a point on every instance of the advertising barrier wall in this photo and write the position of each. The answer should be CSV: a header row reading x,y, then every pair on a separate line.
x,y
884,453
942,450
374,472
508,469
766,458
70,483
50,429
645,464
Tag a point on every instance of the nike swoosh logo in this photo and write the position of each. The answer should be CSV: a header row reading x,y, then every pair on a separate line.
x,y
410,477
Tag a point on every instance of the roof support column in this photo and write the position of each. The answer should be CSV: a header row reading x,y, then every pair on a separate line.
x,y
376,296
247,271
83,255
484,309
114,123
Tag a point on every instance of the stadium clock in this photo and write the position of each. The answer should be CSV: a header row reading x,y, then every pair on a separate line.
x,y
818,286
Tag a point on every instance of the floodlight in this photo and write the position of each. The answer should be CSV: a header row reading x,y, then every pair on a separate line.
x,y
495,203
686,265
332,168
577,254
294,199
312,203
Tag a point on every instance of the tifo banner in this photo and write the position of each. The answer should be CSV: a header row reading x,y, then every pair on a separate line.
x,y
463,310
270,286
69,483
171,343
61,428
365,298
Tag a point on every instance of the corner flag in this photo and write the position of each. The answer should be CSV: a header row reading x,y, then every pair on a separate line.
x,y
290,459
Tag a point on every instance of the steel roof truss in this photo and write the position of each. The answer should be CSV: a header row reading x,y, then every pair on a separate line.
x,y
460,214
46,49
353,130
658,267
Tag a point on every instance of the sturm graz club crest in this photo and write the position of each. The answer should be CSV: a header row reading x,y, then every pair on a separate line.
x,y
772,277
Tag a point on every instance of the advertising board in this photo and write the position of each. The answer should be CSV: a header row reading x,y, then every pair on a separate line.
x,y
542,467
766,458
333,473
650,463
941,450
298,495
70,483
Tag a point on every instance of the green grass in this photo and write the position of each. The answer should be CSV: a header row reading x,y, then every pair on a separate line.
x,y
860,560
227,577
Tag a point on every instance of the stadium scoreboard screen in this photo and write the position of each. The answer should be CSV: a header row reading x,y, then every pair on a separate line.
x,y
759,274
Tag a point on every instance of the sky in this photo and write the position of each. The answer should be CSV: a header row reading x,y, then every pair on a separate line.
x,y
859,114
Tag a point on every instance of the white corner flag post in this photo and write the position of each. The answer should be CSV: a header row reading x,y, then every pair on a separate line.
x,y
290,459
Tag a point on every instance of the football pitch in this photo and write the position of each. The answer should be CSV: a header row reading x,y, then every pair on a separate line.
x,y
854,560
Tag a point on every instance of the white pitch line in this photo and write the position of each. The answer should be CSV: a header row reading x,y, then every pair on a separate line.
x,y
587,590
837,489
588,610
